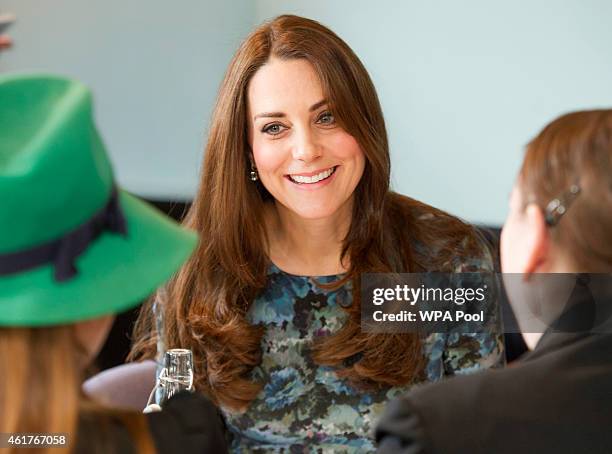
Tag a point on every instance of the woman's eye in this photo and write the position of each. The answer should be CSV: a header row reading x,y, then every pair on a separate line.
x,y
327,118
273,129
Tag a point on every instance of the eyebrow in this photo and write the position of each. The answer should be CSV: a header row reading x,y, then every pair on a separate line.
x,y
314,107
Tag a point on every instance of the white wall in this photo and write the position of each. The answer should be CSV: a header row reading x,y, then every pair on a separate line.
x,y
154,66
464,85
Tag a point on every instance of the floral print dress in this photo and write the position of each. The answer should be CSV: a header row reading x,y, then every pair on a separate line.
x,y
306,408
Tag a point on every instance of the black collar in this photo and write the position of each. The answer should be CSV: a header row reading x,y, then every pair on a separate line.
x,y
587,313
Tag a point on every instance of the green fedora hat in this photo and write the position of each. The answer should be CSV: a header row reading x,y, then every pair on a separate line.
x,y
72,245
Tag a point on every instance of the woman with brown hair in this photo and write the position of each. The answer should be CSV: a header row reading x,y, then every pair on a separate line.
x,y
74,250
293,206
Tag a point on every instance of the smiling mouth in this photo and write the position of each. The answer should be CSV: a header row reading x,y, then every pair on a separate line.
x,y
299,179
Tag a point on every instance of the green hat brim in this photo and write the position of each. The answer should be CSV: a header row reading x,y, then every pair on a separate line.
x,y
115,273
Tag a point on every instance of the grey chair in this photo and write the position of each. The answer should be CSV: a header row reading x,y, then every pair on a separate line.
x,y
127,386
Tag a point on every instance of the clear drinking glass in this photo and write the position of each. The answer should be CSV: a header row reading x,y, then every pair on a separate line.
x,y
176,375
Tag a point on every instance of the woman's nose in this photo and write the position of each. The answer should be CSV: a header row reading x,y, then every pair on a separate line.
x,y
306,147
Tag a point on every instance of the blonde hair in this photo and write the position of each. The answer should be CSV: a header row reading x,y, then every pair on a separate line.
x,y
40,390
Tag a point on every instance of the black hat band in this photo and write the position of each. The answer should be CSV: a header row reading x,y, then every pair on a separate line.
x,y
64,251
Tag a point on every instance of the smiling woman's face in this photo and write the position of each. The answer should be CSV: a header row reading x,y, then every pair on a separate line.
x,y
309,164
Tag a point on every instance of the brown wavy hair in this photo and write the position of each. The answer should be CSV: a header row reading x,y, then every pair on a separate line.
x,y
206,302
576,148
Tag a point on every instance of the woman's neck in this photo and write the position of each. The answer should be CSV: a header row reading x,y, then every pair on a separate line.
x,y
307,247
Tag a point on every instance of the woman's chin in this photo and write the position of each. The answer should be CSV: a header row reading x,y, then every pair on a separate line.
x,y
314,212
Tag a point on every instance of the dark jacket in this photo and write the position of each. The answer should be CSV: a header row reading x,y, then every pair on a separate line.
x,y
188,424
556,399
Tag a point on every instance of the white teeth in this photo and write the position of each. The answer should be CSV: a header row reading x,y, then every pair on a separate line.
x,y
312,179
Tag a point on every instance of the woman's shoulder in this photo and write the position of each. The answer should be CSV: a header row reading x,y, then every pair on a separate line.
x,y
412,210
440,241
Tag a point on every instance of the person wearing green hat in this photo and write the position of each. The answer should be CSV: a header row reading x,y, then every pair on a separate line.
x,y
74,250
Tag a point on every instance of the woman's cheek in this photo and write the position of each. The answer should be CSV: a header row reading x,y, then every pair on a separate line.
x,y
345,146
268,157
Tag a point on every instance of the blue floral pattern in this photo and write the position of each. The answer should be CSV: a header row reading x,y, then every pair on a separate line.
x,y
304,407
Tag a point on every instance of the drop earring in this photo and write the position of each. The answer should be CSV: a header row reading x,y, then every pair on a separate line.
x,y
254,175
